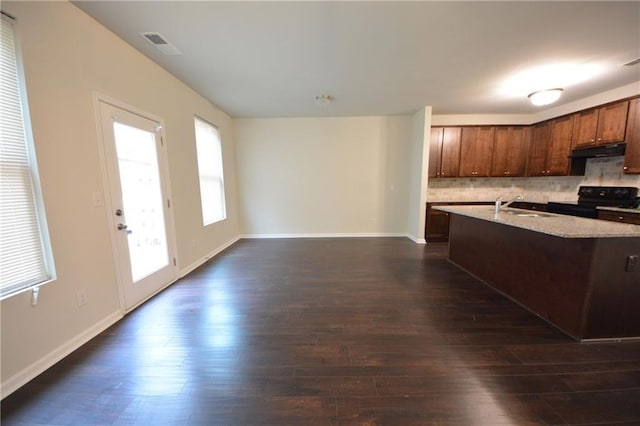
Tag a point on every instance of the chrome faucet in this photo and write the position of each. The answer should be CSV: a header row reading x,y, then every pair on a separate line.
x,y
500,206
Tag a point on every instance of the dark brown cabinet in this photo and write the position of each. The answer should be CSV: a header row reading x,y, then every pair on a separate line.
x,y
603,125
437,225
444,152
476,151
511,147
550,147
561,136
437,222
632,153
540,146
621,217
542,149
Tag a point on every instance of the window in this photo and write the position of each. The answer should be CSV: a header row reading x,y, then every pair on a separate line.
x,y
25,254
209,151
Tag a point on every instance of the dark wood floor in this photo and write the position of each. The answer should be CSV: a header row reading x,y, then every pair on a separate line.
x,y
333,332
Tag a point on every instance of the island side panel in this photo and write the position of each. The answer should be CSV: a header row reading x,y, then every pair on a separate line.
x,y
614,308
548,275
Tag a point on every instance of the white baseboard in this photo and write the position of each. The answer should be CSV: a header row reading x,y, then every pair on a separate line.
x,y
201,261
40,366
417,240
323,235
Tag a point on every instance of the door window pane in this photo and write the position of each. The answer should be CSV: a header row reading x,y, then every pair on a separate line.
x,y
141,199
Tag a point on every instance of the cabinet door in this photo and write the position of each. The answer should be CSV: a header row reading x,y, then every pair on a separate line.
x,y
558,156
632,153
435,152
585,128
612,123
450,152
510,151
437,226
540,145
476,151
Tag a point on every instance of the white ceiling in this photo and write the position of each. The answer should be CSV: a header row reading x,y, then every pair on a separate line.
x,y
270,59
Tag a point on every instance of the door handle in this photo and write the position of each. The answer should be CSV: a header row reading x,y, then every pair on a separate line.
x,y
123,227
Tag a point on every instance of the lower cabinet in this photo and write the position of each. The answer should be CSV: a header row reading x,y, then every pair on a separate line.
x,y
621,217
437,226
437,222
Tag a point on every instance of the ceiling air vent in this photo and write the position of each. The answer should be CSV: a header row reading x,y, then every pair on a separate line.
x,y
630,63
161,43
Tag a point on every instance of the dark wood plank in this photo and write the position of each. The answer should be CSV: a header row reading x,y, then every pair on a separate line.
x,y
328,332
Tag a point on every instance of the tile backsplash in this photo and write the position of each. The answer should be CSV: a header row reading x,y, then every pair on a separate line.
x,y
599,172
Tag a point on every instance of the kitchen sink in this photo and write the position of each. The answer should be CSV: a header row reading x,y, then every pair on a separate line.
x,y
523,213
526,214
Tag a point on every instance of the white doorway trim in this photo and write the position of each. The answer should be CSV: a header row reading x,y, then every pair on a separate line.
x,y
110,204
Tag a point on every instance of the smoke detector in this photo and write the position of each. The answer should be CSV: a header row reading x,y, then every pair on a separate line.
x,y
161,43
323,100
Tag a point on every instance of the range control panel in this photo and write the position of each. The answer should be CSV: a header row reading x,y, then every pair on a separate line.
x,y
608,193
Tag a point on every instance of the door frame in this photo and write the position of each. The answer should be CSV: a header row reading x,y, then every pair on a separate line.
x,y
163,165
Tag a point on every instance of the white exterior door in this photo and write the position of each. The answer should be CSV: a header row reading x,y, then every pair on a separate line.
x,y
139,202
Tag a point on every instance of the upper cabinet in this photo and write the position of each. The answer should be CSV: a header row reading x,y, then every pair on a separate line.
x,y
601,125
510,151
632,153
542,149
550,147
476,151
444,152
540,146
561,137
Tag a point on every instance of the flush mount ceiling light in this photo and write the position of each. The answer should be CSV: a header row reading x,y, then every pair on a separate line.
x,y
323,100
545,97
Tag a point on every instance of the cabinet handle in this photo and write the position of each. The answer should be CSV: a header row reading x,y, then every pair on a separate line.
x,y
620,218
592,140
625,168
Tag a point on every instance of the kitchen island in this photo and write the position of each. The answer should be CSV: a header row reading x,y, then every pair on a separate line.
x,y
581,275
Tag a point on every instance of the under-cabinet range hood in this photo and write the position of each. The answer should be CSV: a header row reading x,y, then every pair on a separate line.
x,y
612,150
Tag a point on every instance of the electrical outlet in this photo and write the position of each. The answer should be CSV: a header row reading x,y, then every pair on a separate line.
x,y
632,263
81,297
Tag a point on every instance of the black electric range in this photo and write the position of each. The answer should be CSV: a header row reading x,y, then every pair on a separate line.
x,y
592,197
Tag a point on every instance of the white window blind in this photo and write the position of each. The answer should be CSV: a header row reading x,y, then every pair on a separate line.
x,y
24,250
209,152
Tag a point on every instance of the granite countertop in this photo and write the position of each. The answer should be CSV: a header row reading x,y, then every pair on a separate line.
x,y
618,209
548,223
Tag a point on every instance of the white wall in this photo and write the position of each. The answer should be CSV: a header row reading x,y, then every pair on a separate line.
x,y
418,167
67,56
331,176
